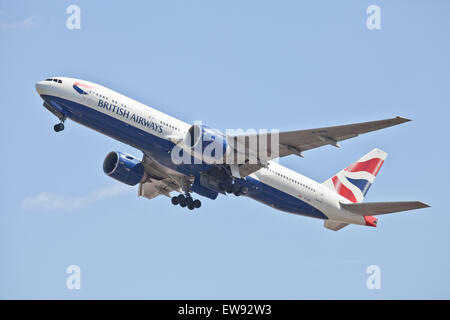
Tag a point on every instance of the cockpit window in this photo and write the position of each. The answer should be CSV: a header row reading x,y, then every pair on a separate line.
x,y
54,80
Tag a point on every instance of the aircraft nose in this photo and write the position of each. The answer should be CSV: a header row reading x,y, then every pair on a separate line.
x,y
40,87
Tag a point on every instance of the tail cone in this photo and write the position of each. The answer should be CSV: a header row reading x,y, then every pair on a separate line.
x,y
370,221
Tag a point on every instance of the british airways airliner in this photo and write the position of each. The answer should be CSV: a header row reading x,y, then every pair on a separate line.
x,y
174,157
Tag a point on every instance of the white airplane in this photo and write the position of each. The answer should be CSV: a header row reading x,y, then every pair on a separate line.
x,y
337,201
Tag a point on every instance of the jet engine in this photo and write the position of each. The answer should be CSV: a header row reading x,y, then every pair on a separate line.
x,y
124,168
207,144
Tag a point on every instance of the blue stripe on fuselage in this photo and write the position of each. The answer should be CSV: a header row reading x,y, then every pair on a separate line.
x,y
280,200
159,149
79,90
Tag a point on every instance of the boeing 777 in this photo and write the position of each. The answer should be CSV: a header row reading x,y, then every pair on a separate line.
x,y
184,158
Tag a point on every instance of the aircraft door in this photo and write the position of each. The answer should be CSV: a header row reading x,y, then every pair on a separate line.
x,y
319,193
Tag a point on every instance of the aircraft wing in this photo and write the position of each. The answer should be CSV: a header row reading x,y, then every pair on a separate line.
x,y
295,142
160,180
313,138
153,188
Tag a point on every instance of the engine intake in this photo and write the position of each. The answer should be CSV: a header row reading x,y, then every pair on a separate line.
x,y
123,167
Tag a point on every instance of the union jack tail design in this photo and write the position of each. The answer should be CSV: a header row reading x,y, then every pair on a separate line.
x,y
354,181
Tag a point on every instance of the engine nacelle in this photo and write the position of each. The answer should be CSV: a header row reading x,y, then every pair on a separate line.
x,y
124,168
208,144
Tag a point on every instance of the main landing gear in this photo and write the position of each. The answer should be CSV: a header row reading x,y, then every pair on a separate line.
x,y
58,127
236,189
186,201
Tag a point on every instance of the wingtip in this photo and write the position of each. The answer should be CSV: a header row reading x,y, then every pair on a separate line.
x,y
424,205
402,119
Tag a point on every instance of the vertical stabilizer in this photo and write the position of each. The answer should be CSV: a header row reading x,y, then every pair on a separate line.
x,y
354,181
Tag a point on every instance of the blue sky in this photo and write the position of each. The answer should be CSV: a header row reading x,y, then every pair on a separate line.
x,y
232,64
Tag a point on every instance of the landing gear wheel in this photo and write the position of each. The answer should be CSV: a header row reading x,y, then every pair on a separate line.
x,y
243,190
197,204
58,127
175,201
186,201
236,190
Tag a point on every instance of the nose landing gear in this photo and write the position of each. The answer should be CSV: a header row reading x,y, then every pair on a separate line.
x,y
186,201
58,127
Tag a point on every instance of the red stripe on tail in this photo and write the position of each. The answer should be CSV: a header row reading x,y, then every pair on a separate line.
x,y
343,190
371,166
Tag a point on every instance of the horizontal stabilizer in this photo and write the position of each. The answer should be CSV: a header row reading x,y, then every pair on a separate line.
x,y
377,208
334,225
